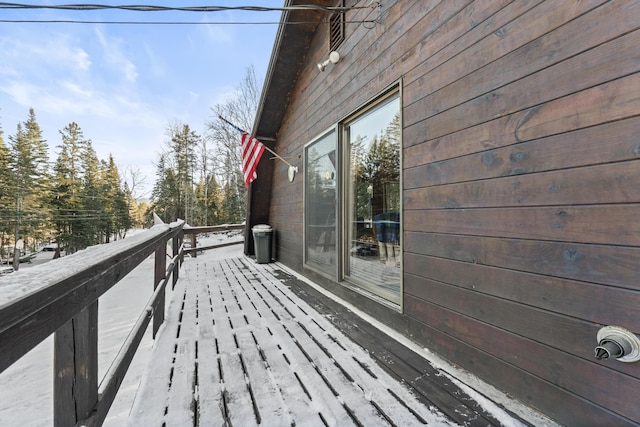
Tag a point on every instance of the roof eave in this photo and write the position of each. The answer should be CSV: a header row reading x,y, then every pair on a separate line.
x,y
286,62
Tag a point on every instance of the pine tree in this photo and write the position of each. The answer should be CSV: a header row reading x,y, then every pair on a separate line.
x,y
21,166
200,204
6,198
183,144
165,193
213,201
29,167
174,192
38,146
41,182
67,188
133,183
116,205
91,219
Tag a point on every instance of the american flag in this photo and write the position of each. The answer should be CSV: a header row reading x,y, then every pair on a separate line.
x,y
252,150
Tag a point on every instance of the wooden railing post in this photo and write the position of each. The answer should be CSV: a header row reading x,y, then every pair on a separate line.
x,y
175,243
193,245
158,277
75,356
180,241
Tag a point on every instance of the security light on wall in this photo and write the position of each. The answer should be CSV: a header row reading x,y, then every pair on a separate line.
x,y
334,57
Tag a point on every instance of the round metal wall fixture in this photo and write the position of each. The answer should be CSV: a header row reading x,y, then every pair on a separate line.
x,y
625,338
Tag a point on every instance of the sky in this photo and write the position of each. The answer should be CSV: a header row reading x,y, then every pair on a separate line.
x,y
124,84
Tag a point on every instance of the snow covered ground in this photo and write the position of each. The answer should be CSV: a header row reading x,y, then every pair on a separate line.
x,y
26,388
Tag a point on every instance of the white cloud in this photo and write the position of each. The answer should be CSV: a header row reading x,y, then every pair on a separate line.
x,y
54,75
79,58
53,50
65,98
30,71
153,62
75,88
116,57
215,33
224,95
8,70
129,71
21,93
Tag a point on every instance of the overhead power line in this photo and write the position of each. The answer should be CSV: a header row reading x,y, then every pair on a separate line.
x,y
70,21
156,8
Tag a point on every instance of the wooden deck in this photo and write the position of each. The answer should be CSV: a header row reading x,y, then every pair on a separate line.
x,y
250,344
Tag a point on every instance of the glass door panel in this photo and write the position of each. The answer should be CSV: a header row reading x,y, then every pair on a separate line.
x,y
321,205
374,254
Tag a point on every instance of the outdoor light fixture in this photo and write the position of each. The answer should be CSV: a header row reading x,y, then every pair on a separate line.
x,y
334,57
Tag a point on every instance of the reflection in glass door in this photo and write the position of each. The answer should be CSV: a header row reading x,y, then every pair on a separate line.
x,y
321,204
373,227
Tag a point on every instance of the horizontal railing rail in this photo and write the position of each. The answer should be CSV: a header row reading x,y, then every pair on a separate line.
x,y
194,231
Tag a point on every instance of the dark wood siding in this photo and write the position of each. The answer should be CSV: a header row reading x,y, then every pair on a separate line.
x,y
521,175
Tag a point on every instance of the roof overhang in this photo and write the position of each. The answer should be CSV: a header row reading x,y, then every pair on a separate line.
x,y
296,29
295,32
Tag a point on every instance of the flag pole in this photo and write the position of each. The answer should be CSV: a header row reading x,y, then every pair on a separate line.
x,y
295,168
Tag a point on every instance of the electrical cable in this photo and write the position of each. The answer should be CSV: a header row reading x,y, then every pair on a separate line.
x,y
64,21
155,8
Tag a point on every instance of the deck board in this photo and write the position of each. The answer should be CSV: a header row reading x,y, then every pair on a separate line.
x,y
401,363
247,344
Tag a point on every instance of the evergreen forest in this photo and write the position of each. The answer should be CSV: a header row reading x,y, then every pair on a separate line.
x,y
75,199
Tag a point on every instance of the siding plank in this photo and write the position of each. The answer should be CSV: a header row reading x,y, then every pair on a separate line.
x,y
471,160
607,265
602,224
611,101
577,299
606,103
608,183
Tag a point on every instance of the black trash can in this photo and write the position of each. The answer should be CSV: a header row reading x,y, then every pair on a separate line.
x,y
262,235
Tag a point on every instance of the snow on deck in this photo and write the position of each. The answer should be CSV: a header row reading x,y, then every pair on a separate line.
x,y
240,348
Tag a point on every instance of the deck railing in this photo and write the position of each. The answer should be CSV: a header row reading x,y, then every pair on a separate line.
x,y
61,298
194,231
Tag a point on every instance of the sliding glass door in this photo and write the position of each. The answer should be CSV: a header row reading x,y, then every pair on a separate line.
x,y
352,205
372,199
320,208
